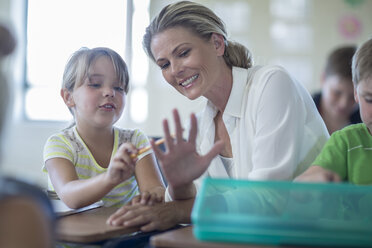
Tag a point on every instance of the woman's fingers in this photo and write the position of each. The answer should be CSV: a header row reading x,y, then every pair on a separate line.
x,y
167,135
115,216
179,129
216,149
193,129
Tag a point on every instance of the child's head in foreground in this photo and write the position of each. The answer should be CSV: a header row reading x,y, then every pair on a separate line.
x,y
95,82
362,79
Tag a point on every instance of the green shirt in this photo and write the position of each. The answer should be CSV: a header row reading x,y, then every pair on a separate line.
x,y
348,152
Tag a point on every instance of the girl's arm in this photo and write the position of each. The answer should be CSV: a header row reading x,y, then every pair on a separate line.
x,y
77,193
149,181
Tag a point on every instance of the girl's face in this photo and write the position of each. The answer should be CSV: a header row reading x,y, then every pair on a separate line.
x,y
363,96
100,100
188,63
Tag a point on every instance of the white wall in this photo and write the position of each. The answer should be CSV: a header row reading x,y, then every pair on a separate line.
x,y
22,148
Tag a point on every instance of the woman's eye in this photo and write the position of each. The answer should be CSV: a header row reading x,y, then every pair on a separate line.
x,y
184,53
164,66
369,100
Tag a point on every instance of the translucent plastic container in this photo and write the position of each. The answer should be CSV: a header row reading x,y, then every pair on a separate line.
x,y
283,213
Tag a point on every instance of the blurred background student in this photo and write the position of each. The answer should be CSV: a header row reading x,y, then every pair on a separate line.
x,y
347,154
26,216
335,101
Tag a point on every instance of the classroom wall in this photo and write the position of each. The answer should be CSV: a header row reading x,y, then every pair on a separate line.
x,y
303,55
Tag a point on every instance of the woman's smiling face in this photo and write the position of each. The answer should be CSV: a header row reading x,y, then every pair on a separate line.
x,y
188,63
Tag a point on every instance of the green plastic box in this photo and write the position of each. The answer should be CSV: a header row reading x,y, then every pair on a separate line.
x,y
283,213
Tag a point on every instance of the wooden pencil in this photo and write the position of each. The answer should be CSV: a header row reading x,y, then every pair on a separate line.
x,y
145,149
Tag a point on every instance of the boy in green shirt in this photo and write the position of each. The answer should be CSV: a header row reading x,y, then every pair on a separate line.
x,y
347,156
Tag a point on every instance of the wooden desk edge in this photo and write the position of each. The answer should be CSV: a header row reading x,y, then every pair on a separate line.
x,y
67,232
93,238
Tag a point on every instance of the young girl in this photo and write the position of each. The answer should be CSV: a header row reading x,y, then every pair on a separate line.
x,y
92,159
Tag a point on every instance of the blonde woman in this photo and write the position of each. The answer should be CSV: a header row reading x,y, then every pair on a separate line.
x,y
258,123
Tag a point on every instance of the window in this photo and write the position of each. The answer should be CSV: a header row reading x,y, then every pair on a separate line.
x,y
55,29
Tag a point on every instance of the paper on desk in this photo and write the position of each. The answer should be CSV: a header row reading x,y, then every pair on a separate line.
x,y
61,209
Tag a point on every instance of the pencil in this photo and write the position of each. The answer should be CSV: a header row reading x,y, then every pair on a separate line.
x,y
145,149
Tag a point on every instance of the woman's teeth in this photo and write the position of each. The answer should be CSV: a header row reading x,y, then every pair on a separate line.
x,y
189,81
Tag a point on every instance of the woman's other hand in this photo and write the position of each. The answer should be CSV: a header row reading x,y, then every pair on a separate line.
x,y
149,218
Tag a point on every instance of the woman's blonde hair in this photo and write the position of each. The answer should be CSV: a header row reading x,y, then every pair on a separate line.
x,y
77,68
203,22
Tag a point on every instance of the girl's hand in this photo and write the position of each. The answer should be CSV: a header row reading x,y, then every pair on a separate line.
x,y
122,165
147,198
181,164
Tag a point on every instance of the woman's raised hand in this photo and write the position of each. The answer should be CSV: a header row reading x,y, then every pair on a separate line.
x,y
181,164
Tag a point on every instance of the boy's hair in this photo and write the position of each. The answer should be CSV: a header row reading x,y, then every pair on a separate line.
x,y
339,62
201,21
77,68
362,62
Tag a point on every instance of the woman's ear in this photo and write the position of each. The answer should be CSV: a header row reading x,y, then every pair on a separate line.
x,y
219,43
67,98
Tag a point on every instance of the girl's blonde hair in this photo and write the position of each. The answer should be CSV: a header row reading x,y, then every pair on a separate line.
x,y
203,22
77,68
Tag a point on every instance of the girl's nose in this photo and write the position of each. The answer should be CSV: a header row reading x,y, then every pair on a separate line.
x,y
109,92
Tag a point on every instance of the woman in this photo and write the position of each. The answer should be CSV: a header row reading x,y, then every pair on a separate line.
x,y
258,124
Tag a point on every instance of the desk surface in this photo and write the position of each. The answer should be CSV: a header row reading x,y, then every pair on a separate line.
x,y
184,238
89,226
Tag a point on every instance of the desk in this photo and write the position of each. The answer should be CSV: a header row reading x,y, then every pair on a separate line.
x,y
89,227
184,238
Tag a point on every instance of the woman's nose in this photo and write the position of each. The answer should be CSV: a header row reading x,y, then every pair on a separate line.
x,y
176,68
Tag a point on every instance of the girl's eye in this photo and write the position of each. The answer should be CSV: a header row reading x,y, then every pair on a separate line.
x,y
119,89
94,85
369,100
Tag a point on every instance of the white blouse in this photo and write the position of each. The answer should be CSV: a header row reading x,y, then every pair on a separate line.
x,y
274,127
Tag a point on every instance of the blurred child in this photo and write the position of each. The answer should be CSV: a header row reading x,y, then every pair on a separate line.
x,y
335,102
347,155
92,160
26,214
